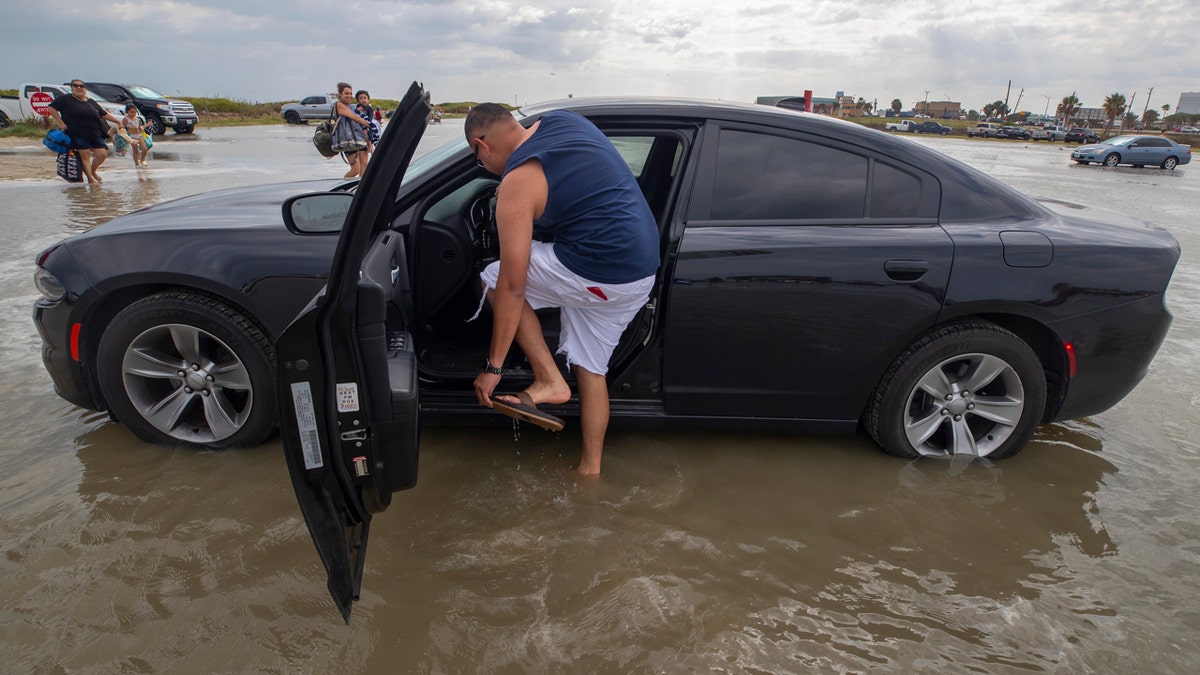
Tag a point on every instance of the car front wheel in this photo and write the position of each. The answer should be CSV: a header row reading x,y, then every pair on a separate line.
x,y
1112,160
1170,163
965,389
292,117
177,367
155,126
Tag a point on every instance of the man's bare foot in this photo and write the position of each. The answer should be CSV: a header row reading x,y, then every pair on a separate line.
x,y
543,393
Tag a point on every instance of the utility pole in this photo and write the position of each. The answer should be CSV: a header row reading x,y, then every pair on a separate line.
x,y
1046,112
1128,109
1147,106
1018,104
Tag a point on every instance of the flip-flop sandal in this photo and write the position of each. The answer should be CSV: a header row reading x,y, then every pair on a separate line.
x,y
527,411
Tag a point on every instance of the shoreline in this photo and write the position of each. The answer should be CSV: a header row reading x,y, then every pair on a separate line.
x,y
36,164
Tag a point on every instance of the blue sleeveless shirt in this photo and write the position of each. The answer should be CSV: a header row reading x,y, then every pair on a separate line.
x,y
602,227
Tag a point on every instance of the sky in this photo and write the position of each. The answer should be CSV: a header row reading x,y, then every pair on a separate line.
x,y
525,52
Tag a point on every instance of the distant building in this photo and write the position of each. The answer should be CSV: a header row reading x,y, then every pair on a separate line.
x,y
1189,102
839,106
939,109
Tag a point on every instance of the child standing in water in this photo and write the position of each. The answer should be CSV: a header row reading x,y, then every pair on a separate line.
x,y
133,126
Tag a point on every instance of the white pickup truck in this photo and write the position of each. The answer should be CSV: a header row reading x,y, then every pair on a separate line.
x,y
16,108
1049,134
903,125
310,108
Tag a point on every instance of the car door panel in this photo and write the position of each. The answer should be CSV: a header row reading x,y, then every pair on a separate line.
x,y
347,372
849,285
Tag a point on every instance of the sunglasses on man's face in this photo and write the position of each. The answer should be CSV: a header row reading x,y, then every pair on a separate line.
x,y
478,162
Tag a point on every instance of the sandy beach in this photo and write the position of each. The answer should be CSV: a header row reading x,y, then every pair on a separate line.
x,y
29,161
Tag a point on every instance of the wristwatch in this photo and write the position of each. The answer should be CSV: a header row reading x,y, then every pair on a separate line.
x,y
489,368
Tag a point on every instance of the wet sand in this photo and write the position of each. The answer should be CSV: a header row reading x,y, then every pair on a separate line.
x,y
26,159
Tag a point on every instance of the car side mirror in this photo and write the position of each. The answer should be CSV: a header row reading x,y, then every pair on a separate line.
x,y
317,213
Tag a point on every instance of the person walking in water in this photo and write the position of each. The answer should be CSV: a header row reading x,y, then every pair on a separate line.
x,y
561,177
84,121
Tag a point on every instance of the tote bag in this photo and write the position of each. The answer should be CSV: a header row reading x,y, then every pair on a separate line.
x,y
348,136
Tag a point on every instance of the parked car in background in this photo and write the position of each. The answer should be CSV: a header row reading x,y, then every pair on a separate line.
x,y
952,314
1049,133
1081,135
1188,130
903,125
16,108
159,111
319,107
984,129
1137,151
1013,132
931,127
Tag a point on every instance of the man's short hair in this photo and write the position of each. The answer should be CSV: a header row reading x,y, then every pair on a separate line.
x,y
483,116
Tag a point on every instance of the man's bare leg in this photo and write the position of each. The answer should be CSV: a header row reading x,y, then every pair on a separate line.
x,y
548,383
593,418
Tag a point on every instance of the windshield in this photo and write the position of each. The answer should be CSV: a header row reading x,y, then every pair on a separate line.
x,y
428,161
144,92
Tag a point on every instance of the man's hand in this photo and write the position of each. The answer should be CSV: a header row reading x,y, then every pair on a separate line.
x,y
485,384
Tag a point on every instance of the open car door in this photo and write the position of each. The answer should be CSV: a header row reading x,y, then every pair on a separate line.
x,y
347,375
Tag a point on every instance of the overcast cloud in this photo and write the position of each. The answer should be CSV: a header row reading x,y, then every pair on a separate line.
x,y
518,52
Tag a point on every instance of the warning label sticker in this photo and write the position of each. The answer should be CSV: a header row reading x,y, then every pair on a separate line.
x,y
347,397
306,420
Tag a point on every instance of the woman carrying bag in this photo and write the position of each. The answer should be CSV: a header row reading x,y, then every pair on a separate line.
x,y
350,131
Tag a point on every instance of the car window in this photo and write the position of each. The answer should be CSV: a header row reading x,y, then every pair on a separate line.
x,y
144,92
763,177
894,193
634,150
313,100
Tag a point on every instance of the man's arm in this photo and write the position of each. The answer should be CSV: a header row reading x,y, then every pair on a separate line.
x,y
520,200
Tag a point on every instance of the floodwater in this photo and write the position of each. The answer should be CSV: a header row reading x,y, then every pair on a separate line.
x,y
696,552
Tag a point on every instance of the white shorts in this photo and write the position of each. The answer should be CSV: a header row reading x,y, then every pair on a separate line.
x,y
593,314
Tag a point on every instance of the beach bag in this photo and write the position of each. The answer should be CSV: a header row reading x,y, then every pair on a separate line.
x,y
68,167
57,140
148,139
323,139
120,145
348,136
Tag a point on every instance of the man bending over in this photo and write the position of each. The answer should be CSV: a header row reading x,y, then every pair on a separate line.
x,y
563,178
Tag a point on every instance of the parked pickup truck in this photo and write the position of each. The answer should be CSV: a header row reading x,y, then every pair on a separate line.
x,y
931,127
160,112
16,108
984,129
1050,134
311,108
903,125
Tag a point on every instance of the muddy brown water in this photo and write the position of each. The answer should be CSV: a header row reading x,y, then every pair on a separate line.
x,y
696,552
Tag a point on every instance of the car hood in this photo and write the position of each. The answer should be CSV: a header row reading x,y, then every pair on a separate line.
x,y
1091,146
257,206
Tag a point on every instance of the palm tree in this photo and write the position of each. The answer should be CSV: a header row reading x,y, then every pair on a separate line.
x,y
1166,109
1114,107
897,104
1149,117
1068,108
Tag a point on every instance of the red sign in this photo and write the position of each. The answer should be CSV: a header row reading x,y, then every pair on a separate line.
x,y
40,102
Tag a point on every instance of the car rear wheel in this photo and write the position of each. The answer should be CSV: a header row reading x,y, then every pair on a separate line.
x,y
1112,160
1170,163
182,368
292,117
965,389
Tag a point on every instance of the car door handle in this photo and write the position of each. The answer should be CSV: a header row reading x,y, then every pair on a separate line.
x,y
906,270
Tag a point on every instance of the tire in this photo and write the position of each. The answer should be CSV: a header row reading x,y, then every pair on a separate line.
x,y
1112,159
927,404
292,117
180,368
4,123
155,125
185,128
1170,163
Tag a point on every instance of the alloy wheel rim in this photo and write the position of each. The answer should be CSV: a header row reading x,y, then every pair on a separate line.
x,y
187,383
969,404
